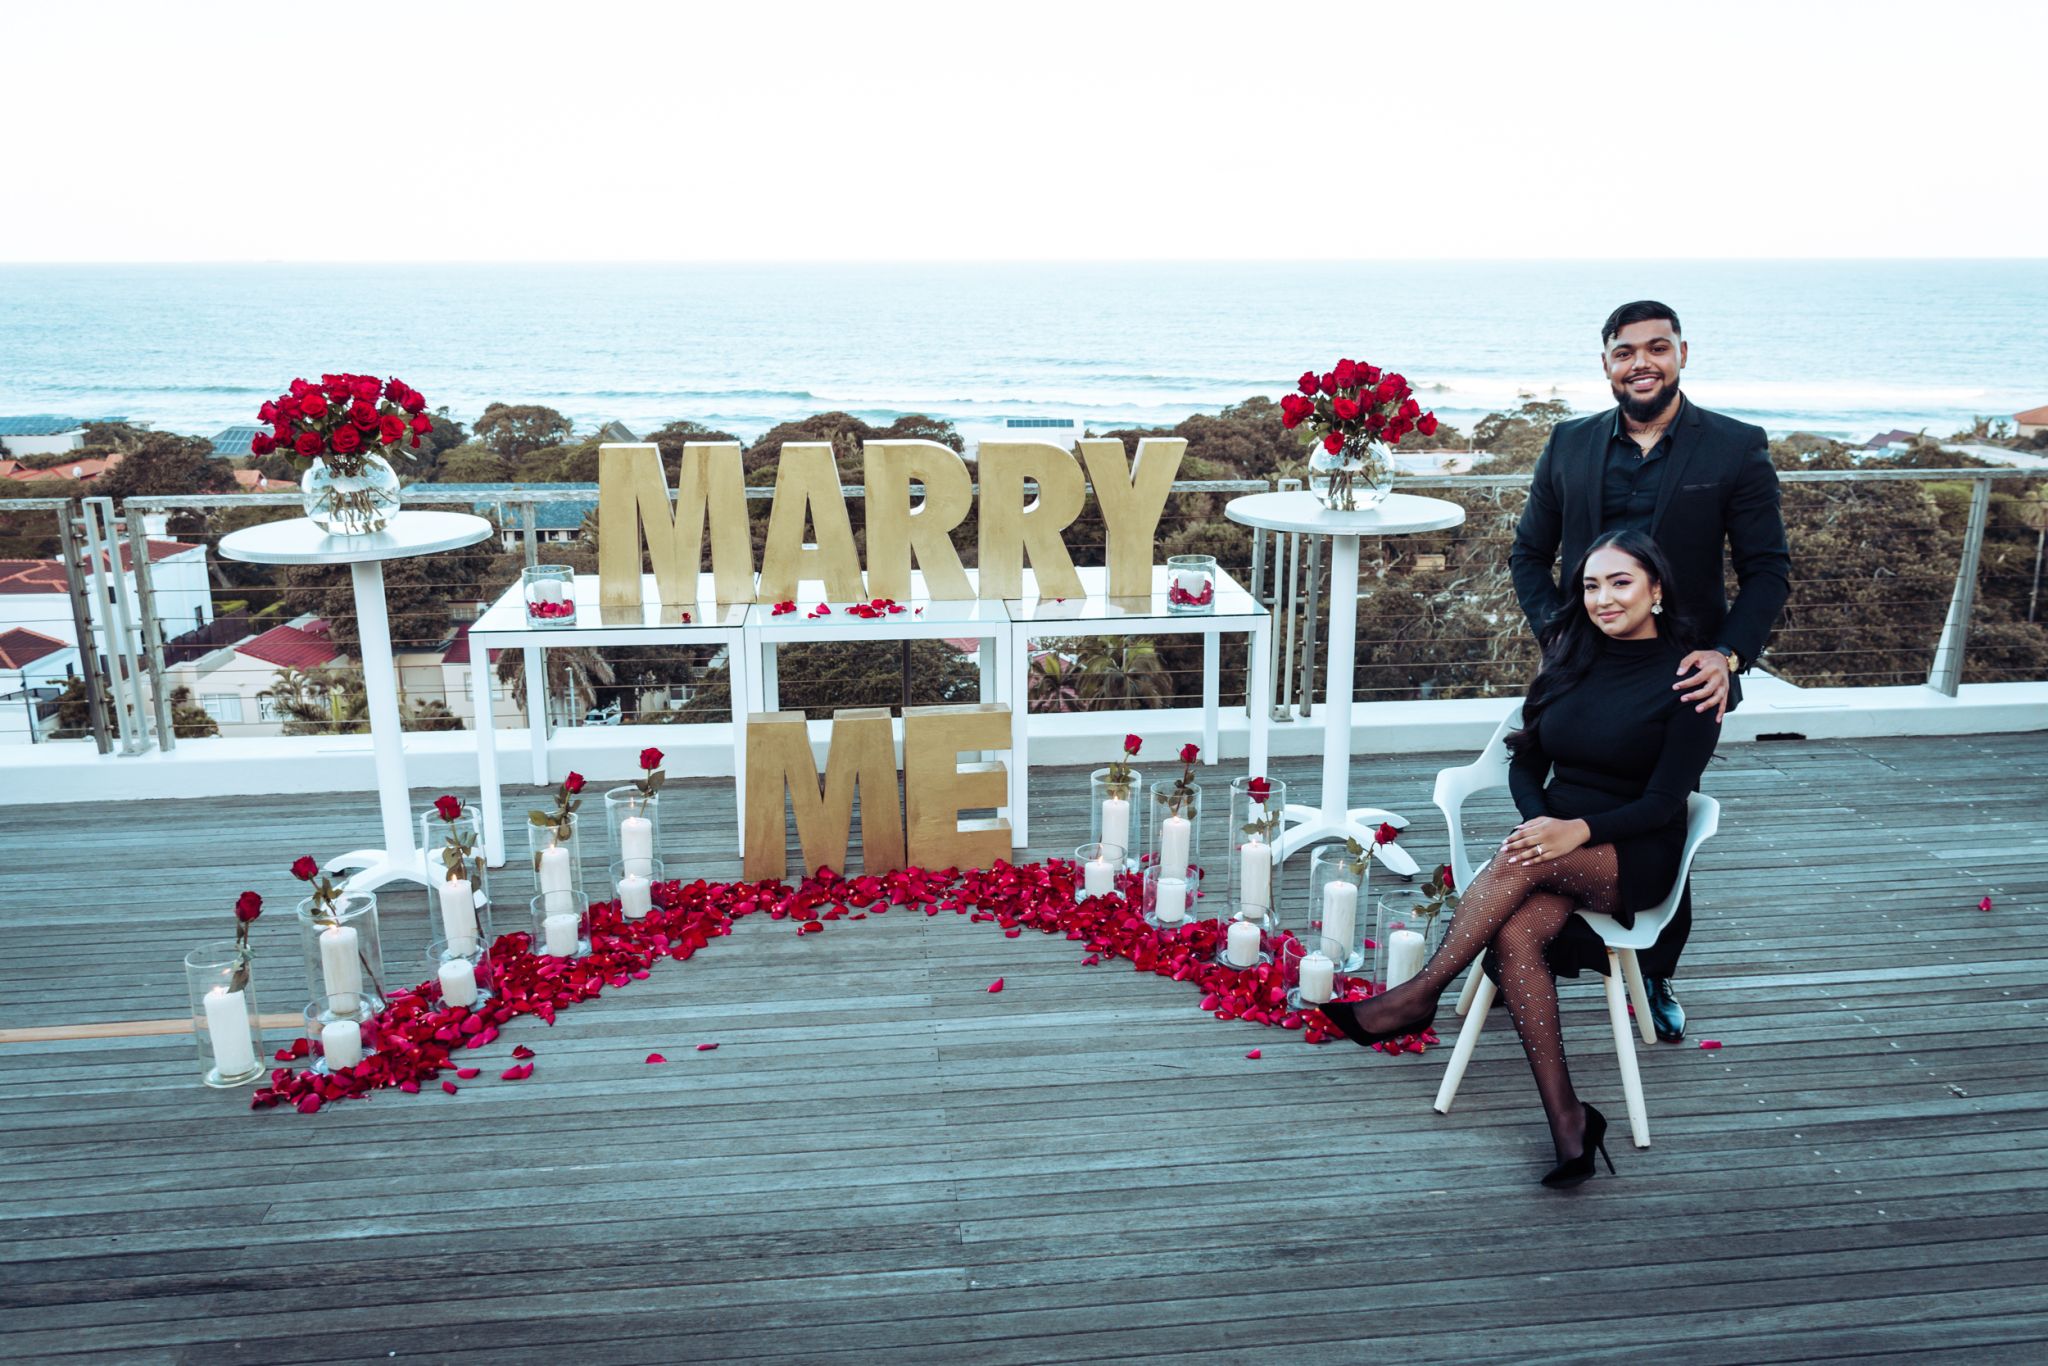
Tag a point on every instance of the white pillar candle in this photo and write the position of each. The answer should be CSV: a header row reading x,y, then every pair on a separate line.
x,y
1404,956
1191,581
554,880
1174,833
1340,913
1097,877
1255,878
458,914
636,896
340,968
1241,946
458,983
1170,902
227,1024
1116,822
561,935
342,1042
636,845
547,590
1318,977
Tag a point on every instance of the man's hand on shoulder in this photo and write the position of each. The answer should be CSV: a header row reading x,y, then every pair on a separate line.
x,y
1705,673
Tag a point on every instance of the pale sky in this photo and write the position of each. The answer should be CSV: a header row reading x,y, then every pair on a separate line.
x,y
591,130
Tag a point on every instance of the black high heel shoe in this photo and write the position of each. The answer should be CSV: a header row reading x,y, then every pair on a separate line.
x,y
1344,1015
1576,1170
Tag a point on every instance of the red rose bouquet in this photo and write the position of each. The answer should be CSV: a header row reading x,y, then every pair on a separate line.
x,y
1352,414
343,427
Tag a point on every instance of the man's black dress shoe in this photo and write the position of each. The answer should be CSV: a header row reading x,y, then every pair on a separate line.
x,y
1665,1012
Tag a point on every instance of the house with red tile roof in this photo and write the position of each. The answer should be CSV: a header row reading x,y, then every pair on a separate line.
x,y
33,593
34,669
2032,422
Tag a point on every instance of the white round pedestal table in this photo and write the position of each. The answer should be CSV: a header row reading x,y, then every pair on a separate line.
x,y
1302,513
300,541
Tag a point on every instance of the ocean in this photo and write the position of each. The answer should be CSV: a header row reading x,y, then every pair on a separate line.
x,y
1841,348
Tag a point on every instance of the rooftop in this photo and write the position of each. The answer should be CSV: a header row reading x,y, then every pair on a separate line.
x,y
884,1161
21,647
295,647
39,424
47,576
2032,415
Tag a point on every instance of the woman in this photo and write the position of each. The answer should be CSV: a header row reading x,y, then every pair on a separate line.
x,y
1622,752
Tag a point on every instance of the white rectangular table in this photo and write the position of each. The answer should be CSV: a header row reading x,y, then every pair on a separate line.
x,y
505,626
1235,611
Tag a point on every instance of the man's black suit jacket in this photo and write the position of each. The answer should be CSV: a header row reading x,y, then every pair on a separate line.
x,y
1719,489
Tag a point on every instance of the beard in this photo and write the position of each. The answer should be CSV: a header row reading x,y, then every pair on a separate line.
x,y
1642,409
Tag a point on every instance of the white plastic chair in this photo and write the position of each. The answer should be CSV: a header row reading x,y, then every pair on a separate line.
x,y
1702,819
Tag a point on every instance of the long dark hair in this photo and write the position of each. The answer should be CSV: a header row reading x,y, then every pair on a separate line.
x,y
1570,640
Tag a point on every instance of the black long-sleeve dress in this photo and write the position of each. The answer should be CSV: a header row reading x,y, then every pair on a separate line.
x,y
1621,751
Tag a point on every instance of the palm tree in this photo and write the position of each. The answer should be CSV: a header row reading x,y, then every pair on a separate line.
x,y
1054,677
573,678
322,701
1125,672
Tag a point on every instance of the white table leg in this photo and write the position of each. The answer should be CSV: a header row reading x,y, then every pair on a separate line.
x,y
739,685
1211,695
1259,690
489,797
537,712
771,679
380,686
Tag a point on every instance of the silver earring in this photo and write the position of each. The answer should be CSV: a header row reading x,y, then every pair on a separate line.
x,y
1657,608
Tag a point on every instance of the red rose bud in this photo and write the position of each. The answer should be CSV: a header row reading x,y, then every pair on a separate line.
x,y
299,387
362,414
248,906
1346,409
1260,789
422,424
1386,834
346,440
1189,753
313,405
394,389
415,443
304,869
309,444
1426,424
448,808
414,401
1132,744
267,413
1307,383
1410,409
650,759
364,387
262,444
1347,374
1329,382
573,783
390,428
1445,876
1333,442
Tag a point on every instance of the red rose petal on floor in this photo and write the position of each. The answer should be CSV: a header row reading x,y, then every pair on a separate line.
x,y
522,1052
1253,1055
467,1073
1985,904
309,1103
450,1087
706,1047
519,1073
995,986
409,1086
656,1057
1710,1043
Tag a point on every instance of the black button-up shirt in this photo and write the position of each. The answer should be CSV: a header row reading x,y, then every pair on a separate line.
x,y
1629,485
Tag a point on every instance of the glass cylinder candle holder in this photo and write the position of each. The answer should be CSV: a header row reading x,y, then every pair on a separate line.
x,y
344,960
1308,968
557,933
632,881
338,1040
557,860
1169,902
1337,901
1190,584
466,979
1402,943
1244,943
1096,868
550,594
1255,825
455,849
634,823
1174,831
1113,811
225,1021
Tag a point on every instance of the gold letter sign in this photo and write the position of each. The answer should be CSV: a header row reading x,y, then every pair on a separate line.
x,y
632,491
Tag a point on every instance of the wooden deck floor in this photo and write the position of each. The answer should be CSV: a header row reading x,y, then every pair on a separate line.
x,y
883,1162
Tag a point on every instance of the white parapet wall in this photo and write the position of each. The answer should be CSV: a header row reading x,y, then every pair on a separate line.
x,y
71,771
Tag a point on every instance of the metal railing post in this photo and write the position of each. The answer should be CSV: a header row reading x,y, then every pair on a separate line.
x,y
1308,627
110,593
81,625
152,634
1947,674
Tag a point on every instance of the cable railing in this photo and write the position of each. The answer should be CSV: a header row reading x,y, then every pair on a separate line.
x,y
1900,577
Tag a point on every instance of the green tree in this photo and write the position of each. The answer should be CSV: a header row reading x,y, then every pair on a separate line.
x,y
1123,671
512,430
472,463
189,720
327,700
163,463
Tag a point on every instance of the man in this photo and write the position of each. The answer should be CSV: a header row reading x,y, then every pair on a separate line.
x,y
1696,482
